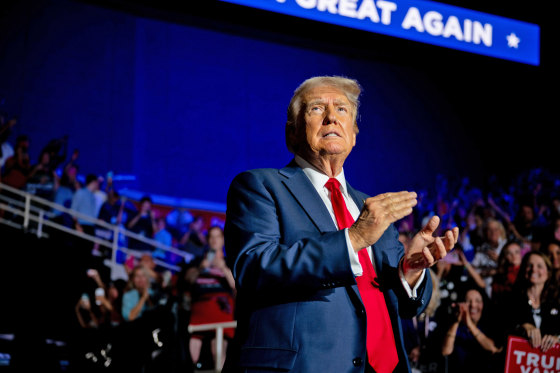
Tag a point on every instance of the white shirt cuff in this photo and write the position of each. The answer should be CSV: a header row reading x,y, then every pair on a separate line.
x,y
412,293
354,259
358,271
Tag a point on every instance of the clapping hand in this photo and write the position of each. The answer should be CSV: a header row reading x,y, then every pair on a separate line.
x,y
425,249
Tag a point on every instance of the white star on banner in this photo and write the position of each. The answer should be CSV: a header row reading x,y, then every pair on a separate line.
x,y
513,40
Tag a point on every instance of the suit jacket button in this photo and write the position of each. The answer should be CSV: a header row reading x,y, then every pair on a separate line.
x,y
357,361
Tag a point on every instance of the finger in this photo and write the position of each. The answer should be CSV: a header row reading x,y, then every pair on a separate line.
x,y
430,226
438,249
448,241
428,257
397,196
456,234
547,342
390,205
537,340
400,213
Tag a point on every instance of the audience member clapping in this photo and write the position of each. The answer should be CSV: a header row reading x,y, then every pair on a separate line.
x,y
468,342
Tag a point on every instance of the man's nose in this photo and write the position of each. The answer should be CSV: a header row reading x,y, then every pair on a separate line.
x,y
330,115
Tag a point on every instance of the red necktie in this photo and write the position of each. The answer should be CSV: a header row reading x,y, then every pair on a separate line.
x,y
380,341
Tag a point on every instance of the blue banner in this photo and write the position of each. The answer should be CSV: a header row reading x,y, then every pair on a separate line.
x,y
423,21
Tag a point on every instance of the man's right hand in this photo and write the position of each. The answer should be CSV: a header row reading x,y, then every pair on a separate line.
x,y
377,214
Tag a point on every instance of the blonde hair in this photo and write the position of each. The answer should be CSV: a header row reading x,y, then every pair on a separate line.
x,y
436,296
296,108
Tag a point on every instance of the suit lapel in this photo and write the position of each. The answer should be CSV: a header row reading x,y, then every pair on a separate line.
x,y
305,194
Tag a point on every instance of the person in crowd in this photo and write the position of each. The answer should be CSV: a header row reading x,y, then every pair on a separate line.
x,y
178,221
100,194
112,209
144,339
213,294
524,223
155,277
85,315
509,262
57,149
84,203
108,299
137,297
474,231
533,307
144,224
468,342
6,149
68,185
552,249
456,274
17,167
111,212
485,259
163,236
291,240
42,180
194,240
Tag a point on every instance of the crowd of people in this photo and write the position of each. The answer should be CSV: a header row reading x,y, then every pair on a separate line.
x,y
141,324
138,323
502,279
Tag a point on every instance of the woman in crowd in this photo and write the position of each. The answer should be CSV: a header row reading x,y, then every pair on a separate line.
x,y
509,263
212,293
533,307
553,252
136,299
467,343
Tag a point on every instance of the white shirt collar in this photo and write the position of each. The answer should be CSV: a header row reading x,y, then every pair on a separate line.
x,y
318,178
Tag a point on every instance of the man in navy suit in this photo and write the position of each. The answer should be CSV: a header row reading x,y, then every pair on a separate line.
x,y
298,307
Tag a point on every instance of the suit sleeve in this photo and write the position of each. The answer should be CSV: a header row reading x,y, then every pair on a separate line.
x,y
262,259
389,252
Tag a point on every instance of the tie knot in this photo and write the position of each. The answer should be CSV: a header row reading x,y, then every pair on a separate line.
x,y
332,183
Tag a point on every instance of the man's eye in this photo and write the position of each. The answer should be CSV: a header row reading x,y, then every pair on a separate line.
x,y
316,109
342,109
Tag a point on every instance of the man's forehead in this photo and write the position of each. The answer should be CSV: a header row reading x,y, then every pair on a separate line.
x,y
324,94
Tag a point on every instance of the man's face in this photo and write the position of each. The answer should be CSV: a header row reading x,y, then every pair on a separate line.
x,y
329,122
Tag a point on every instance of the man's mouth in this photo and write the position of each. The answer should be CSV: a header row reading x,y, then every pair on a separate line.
x,y
331,134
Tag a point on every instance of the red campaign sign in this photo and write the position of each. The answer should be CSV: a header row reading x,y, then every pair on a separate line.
x,y
522,358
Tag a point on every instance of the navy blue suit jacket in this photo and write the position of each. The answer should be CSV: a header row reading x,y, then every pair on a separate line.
x,y
298,306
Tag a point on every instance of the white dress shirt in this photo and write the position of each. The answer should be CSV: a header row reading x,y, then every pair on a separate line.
x,y
319,179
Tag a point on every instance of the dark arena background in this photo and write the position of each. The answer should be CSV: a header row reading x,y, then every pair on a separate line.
x,y
174,98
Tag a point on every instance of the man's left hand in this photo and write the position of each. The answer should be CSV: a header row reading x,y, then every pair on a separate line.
x,y
425,250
